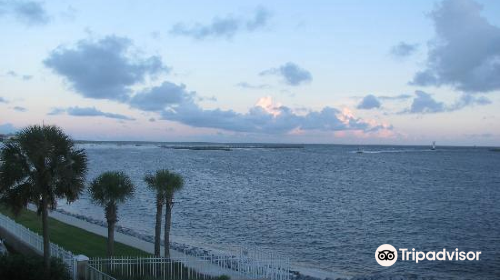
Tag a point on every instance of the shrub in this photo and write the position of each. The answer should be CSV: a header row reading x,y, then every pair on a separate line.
x,y
31,268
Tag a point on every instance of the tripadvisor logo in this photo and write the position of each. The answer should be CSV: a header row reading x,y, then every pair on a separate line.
x,y
387,255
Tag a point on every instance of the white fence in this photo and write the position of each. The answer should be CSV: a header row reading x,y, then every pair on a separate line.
x,y
251,263
95,274
242,263
35,241
193,267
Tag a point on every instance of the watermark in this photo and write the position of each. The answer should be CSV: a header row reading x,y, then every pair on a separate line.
x,y
387,255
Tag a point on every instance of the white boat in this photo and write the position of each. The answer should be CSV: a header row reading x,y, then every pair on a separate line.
x,y
433,145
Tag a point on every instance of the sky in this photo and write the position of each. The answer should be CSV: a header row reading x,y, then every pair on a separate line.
x,y
334,72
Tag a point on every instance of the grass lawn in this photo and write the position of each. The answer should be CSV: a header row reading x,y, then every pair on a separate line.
x,y
71,238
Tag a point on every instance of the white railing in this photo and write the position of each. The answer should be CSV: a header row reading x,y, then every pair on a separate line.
x,y
35,241
193,267
95,274
250,262
242,263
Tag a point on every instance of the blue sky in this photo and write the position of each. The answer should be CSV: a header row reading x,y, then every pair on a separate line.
x,y
357,72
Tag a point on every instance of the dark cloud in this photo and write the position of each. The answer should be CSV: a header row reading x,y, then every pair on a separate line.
x,y
223,27
246,85
404,49
103,69
19,109
424,103
466,51
28,12
152,119
293,74
88,112
157,98
369,102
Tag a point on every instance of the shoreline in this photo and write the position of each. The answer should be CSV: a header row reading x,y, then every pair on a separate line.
x,y
146,243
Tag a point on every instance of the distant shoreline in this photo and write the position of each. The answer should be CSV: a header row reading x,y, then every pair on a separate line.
x,y
270,144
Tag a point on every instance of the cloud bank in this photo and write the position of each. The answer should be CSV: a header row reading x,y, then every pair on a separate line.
x,y
104,70
466,51
223,27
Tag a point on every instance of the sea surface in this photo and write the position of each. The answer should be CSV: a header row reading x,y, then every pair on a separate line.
x,y
326,207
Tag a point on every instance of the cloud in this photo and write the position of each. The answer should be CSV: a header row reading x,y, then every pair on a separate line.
x,y
223,27
404,49
88,112
424,103
3,100
20,109
16,75
246,85
397,97
56,111
264,117
103,69
28,12
466,51
293,74
157,98
467,100
7,128
369,102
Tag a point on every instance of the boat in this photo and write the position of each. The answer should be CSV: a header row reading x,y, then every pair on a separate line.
x,y
359,151
433,145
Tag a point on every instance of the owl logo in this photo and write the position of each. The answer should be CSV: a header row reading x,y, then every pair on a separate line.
x,y
386,255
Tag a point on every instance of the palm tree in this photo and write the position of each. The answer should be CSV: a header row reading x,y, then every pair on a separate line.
x,y
41,165
165,183
108,190
158,183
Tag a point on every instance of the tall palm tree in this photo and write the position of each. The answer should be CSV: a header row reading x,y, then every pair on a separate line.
x,y
41,165
166,184
108,190
158,183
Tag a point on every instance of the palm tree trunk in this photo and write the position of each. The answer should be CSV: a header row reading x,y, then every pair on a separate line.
x,y
168,220
111,219
45,229
111,238
159,208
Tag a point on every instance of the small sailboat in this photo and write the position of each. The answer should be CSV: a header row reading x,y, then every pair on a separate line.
x,y
433,145
359,151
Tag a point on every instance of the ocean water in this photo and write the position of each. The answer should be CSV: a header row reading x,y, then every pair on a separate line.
x,y
324,206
